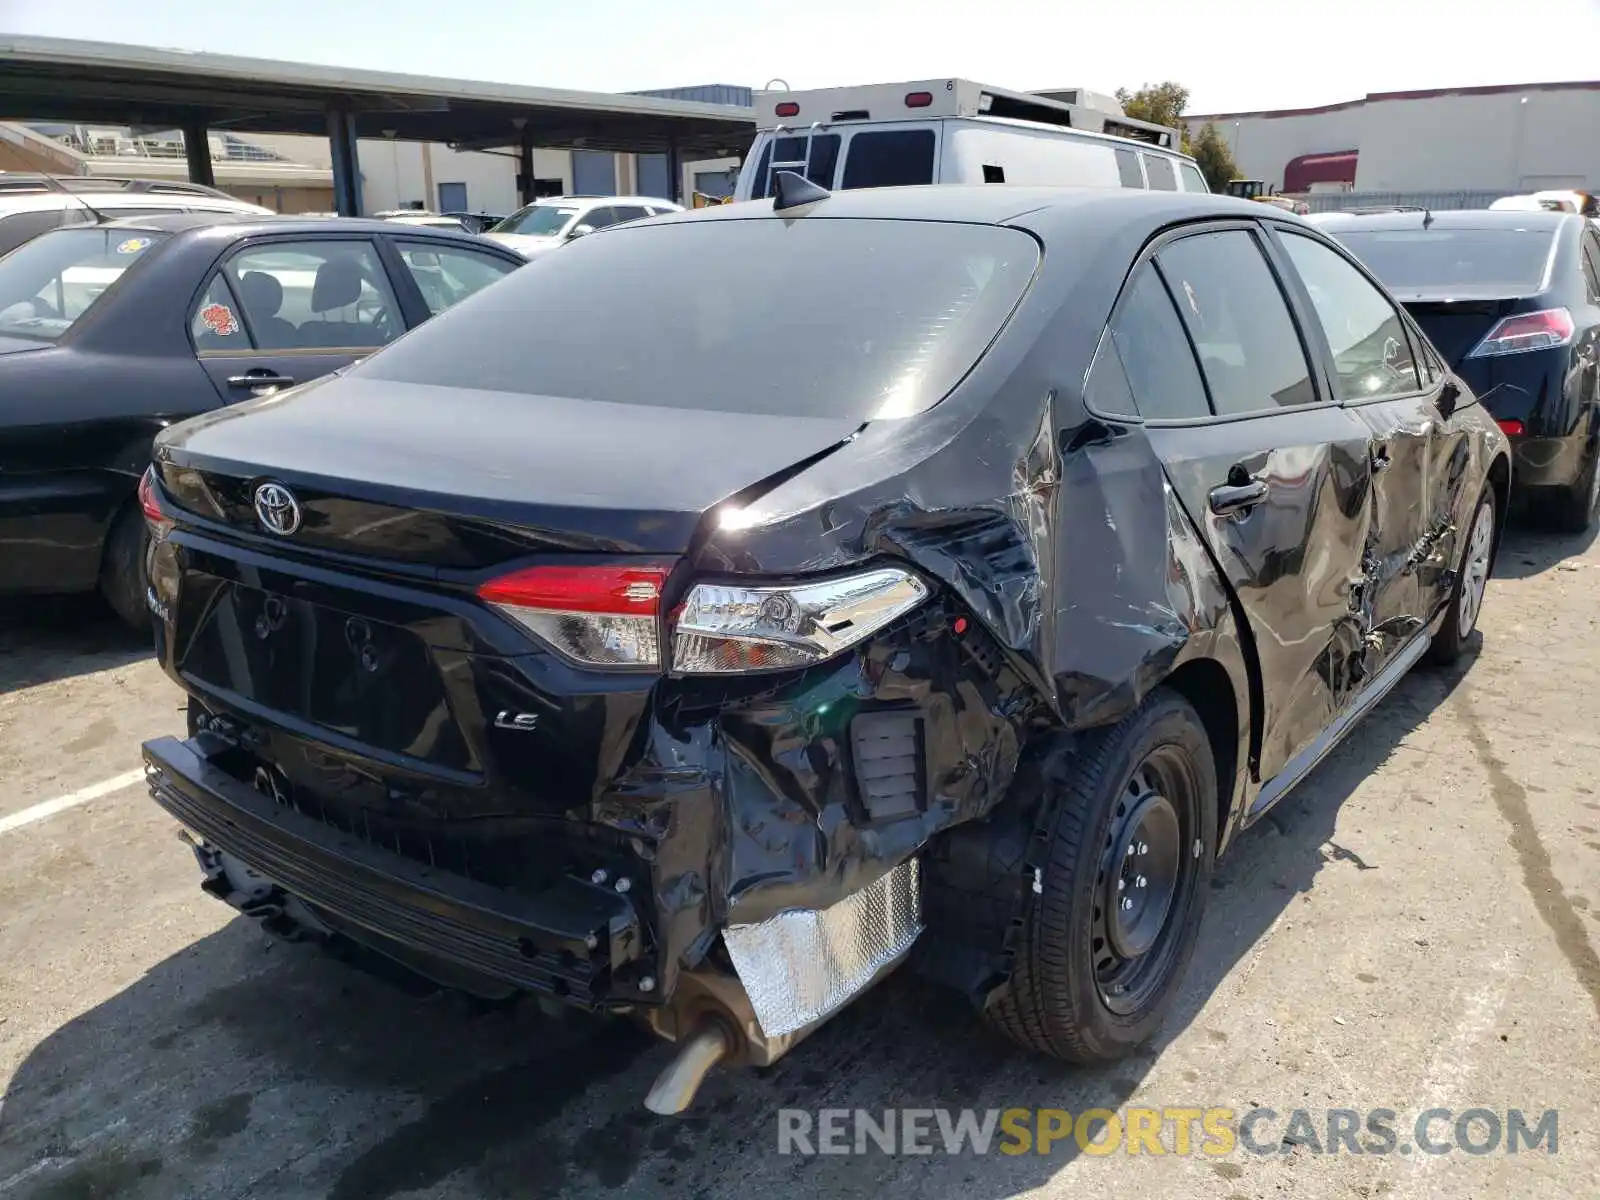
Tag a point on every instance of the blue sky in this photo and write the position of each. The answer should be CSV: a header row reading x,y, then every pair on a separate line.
x,y
1231,54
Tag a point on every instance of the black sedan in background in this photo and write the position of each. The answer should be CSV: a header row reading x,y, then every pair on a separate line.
x,y
1512,300
111,332
704,619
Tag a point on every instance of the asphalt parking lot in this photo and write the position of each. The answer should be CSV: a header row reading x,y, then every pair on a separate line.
x,y
1416,927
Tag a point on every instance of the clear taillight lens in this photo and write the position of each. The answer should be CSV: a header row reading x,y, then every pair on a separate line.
x,y
600,616
1527,331
731,629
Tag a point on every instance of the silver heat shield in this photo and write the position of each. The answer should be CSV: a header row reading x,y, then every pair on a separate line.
x,y
801,966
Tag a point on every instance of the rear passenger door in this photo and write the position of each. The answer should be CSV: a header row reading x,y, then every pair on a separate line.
x,y
1270,469
277,313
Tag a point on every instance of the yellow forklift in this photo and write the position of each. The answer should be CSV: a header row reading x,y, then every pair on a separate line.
x,y
1255,189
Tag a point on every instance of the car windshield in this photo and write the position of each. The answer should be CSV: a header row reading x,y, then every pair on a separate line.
x,y
1511,259
537,220
46,285
845,318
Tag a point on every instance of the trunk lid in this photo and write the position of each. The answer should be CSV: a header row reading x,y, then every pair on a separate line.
x,y
1457,323
459,478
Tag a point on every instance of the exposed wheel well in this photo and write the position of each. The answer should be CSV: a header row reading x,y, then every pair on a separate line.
x,y
1204,683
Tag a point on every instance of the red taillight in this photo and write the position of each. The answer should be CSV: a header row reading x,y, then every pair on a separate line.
x,y
155,516
599,616
631,591
1527,331
918,99
1512,427
787,108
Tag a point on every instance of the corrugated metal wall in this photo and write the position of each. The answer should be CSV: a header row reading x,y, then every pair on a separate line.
x,y
1447,201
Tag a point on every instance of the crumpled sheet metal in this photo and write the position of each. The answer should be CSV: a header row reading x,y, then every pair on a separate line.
x,y
803,965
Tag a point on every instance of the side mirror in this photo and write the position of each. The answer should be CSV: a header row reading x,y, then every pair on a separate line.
x,y
1449,396
581,231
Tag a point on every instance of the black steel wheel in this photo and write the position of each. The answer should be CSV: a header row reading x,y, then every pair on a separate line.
x,y
1118,908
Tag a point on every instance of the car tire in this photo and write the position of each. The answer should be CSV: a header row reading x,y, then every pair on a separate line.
x,y
122,574
1472,581
1573,509
1093,980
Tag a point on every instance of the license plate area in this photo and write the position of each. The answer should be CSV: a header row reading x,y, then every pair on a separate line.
x,y
368,680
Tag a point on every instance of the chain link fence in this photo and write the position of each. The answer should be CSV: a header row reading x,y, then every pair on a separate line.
x,y
1319,202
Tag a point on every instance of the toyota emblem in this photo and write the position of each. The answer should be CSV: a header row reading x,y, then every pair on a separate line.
x,y
277,509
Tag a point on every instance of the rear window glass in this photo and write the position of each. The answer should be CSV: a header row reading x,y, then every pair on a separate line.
x,y
49,283
1428,259
823,156
891,158
856,319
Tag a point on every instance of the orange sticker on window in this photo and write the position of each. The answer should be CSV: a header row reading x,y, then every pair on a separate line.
x,y
219,319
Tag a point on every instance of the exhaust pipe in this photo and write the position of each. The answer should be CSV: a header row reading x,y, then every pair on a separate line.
x,y
675,1088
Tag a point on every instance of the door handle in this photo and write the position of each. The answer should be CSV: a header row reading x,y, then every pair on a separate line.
x,y
259,379
1380,459
1238,497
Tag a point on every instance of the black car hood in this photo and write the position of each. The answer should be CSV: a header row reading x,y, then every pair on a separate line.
x,y
628,477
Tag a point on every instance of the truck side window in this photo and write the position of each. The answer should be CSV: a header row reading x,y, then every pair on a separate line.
x,y
1162,176
1128,168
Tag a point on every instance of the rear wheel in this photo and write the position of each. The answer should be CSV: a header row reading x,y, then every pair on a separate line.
x,y
122,577
1573,509
1472,581
1111,932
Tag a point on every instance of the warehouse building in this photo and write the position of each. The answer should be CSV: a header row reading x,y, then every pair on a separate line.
x,y
1476,143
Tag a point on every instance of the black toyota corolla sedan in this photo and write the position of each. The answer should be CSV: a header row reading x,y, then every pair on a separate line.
x,y
739,603
1512,300
110,332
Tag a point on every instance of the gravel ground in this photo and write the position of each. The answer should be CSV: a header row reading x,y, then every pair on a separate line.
x,y
1415,927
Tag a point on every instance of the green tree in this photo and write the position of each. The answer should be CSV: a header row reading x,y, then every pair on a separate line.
x,y
1162,103
1213,157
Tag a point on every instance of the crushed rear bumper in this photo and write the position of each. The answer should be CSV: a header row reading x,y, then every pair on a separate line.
x,y
574,940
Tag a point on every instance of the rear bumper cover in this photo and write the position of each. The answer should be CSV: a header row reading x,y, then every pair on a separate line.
x,y
572,940
1547,462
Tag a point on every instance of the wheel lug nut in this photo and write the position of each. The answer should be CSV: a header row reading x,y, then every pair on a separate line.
x,y
1127,904
1121,883
1143,849
1141,881
599,876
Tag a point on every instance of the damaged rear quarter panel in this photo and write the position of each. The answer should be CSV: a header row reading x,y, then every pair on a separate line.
x,y
1054,532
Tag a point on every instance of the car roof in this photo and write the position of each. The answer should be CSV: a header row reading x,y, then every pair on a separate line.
x,y
251,224
990,205
1477,218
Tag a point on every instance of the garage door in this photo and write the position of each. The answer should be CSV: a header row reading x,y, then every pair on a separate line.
x,y
594,173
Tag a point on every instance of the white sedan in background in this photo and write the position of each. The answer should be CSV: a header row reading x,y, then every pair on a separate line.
x,y
540,227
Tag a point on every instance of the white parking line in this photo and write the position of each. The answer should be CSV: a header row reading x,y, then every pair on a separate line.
x,y
61,803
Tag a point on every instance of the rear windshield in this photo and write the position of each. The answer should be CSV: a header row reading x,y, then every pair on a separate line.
x,y
808,318
537,220
1428,259
49,283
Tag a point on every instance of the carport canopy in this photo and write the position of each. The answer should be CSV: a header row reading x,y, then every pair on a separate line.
x,y
56,79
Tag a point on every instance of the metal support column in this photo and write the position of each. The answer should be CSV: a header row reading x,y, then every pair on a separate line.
x,y
525,167
674,173
346,161
197,149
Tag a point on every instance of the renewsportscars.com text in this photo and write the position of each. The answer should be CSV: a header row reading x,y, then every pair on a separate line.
x,y
1214,1132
